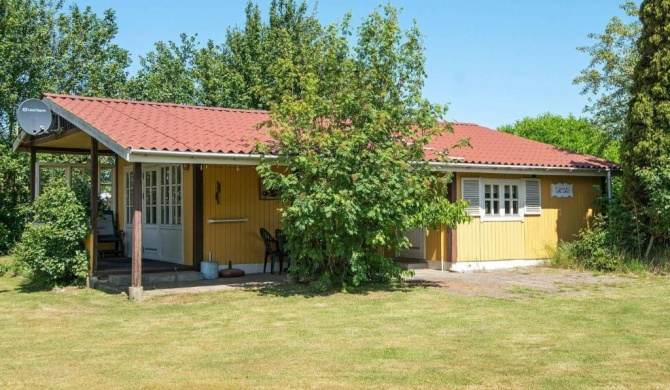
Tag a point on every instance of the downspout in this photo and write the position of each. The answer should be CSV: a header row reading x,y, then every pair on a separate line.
x,y
609,185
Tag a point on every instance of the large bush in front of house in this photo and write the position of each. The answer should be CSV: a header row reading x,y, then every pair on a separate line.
x,y
52,245
352,148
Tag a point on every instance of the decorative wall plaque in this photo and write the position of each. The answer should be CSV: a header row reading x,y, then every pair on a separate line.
x,y
561,190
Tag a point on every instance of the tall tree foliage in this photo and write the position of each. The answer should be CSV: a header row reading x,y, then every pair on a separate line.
x,y
166,74
253,67
84,60
646,145
45,49
353,146
574,134
26,33
609,77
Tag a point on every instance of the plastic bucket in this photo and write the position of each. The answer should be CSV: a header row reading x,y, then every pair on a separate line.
x,y
209,269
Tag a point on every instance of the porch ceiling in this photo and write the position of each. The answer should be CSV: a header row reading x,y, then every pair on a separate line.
x,y
71,139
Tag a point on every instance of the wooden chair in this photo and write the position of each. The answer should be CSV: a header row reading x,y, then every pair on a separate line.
x,y
283,250
271,250
108,234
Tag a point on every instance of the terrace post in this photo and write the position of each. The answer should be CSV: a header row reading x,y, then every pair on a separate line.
x,y
33,174
94,209
135,290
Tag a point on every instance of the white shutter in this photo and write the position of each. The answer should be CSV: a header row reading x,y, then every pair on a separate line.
x,y
470,191
533,197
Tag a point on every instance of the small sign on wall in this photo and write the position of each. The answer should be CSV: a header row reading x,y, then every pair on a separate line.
x,y
561,190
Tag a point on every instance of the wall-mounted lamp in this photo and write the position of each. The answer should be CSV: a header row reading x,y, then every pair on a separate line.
x,y
218,191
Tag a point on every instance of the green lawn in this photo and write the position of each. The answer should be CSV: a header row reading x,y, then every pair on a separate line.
x,y
408,338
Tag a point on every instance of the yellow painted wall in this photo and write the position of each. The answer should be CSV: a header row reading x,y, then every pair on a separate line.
x,y
436,244
238,242
120,188
536,235
187,213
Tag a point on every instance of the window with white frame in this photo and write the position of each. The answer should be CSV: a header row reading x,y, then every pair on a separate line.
x,y
78,176
129,198
162,195
501,199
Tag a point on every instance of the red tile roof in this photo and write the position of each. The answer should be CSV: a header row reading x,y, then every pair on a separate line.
x,y
179,128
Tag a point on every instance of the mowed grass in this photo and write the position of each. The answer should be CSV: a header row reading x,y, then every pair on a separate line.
x,y
395,339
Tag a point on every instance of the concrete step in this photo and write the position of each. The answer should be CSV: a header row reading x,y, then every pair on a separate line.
x,y
411,263
158,277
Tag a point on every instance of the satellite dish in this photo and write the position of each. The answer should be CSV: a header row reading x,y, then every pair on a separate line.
x,y
34,116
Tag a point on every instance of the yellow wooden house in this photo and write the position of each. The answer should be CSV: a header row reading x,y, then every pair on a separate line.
x,y
200,196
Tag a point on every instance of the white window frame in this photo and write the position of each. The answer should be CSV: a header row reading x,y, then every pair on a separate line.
x,y
520,183
501,183
68,167
127,194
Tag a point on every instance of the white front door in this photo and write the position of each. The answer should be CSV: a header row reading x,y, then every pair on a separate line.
x,y
161,213
417,239
150,221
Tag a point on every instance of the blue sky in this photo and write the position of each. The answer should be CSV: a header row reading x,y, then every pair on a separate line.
x,y
493,61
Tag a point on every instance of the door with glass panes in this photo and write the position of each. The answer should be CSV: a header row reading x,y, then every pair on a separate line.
x,y
161,212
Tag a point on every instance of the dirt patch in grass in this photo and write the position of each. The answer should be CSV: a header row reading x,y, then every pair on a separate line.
x,y
536,282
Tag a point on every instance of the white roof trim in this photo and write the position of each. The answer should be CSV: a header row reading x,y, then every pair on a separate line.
x,y
158,156
518,169
88,129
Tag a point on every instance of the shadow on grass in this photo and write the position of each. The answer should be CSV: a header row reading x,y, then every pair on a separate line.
x,y
27,286
304,290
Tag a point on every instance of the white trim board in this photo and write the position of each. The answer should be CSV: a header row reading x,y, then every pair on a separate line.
x,y
470,266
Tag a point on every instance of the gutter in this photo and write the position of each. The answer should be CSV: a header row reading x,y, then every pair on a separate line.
x,y
20,139
159,156
163,156
518,169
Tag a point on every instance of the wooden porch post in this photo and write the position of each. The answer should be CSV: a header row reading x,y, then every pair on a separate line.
x,y
135,290
33,174
94,206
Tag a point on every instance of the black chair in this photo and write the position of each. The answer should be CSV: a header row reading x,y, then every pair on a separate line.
x,y
108,234
271,250
283,250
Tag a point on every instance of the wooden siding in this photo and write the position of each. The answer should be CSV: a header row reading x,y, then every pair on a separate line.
x,y
187,214
436,242
120,188
238,242
537,235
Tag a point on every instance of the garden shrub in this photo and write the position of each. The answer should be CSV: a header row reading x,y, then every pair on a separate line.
x,y
593,250
14,195
51,247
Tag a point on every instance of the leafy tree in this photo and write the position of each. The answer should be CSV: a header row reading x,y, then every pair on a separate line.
x,y
252,68
609,77
645,151
14,195
26,33
46,50
353,147
166,74
84,59
574,134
